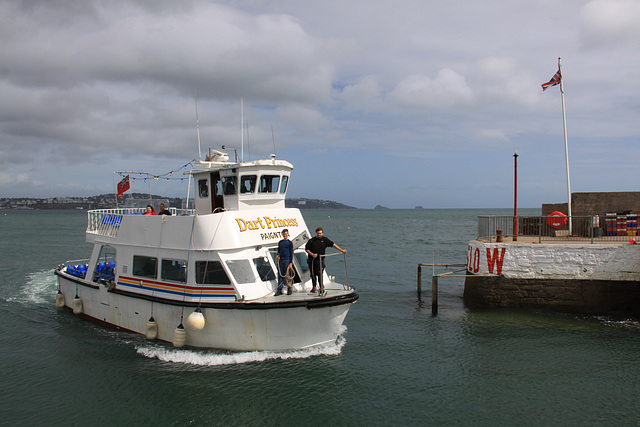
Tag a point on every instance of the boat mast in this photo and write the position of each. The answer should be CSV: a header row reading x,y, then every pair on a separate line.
x,y
115,187
197,126
241,130
273,139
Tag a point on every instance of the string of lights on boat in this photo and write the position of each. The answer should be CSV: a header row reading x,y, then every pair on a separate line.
x,y
133,175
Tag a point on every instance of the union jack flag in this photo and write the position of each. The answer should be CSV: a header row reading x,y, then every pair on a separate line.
x,y
555,80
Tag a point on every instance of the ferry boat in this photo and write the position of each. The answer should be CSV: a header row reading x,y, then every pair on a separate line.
x,y
207,277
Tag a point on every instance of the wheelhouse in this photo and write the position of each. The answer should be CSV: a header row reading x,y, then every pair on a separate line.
x,y
224,186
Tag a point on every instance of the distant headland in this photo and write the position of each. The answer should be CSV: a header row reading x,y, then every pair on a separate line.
x,y
315,204
108,201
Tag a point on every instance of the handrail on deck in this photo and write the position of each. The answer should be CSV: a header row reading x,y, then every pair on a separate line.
x,y
106,222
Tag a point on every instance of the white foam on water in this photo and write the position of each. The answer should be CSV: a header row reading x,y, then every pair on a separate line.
x,y
38,289
217,358
625,323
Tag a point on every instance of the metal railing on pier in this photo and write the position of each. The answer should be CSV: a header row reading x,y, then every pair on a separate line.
x,y
588,229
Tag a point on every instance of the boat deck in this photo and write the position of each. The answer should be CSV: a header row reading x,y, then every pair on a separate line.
x,y
306,295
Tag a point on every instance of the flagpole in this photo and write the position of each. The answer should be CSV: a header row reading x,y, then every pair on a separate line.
x,y
116,188
566,150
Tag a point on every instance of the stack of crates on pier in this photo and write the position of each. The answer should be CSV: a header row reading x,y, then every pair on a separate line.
x,y
610,222
632,224
622,225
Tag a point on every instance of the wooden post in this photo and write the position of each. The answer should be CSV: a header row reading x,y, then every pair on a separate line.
x,y
419,280
434,295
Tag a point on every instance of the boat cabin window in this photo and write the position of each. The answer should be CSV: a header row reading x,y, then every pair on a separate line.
x,y
106,264
174,270
264,269
229,185
269,183
144,266
203,188
302,256
283,184
248,184
296,278
211,273
241,270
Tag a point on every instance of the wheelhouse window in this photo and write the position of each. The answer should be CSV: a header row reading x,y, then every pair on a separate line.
x,y
203,188
283,184
211,273
174,270
229,185
269,183
264,269
248,184
144,266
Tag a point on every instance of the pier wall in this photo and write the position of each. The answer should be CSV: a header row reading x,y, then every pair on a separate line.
x,y
597,203
588,278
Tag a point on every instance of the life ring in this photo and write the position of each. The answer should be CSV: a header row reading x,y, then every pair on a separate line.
x,y
557,219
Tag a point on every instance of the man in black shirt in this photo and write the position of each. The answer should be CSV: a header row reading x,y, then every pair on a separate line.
x,y
163,210
315,249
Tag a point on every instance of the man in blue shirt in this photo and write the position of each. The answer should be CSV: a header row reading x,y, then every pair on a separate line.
x,y
285,261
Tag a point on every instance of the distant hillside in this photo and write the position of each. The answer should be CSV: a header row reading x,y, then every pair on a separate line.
x,y
315,204
107,201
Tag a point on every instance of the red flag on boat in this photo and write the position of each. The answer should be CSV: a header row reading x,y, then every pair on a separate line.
x,y
123,186
555,80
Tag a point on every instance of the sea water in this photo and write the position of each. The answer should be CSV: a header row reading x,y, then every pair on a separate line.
x,y
394,364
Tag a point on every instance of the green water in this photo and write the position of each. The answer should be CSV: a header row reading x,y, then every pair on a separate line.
x,y
395,364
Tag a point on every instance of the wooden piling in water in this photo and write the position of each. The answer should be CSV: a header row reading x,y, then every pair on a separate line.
x,y
434,295
434,283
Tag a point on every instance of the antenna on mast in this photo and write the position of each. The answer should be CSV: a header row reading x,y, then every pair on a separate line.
x,y
273,138
248,141
197,125
241,129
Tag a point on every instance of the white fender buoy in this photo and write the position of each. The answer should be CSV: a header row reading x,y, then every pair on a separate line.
x,y
179,336
59,300
152,329
77,305
196,320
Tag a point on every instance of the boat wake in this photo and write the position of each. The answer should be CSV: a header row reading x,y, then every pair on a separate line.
x,y
217,358
619,323
37,288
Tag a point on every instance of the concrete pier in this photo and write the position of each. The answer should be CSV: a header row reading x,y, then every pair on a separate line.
x,y
599,278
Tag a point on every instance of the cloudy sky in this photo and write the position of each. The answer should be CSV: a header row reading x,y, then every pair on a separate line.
x,y
403,103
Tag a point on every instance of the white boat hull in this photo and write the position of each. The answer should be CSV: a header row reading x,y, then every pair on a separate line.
x,y
286,323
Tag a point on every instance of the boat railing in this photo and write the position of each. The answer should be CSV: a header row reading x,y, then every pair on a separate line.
x,y
345,285
556,228
106,222
75,262
346,271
